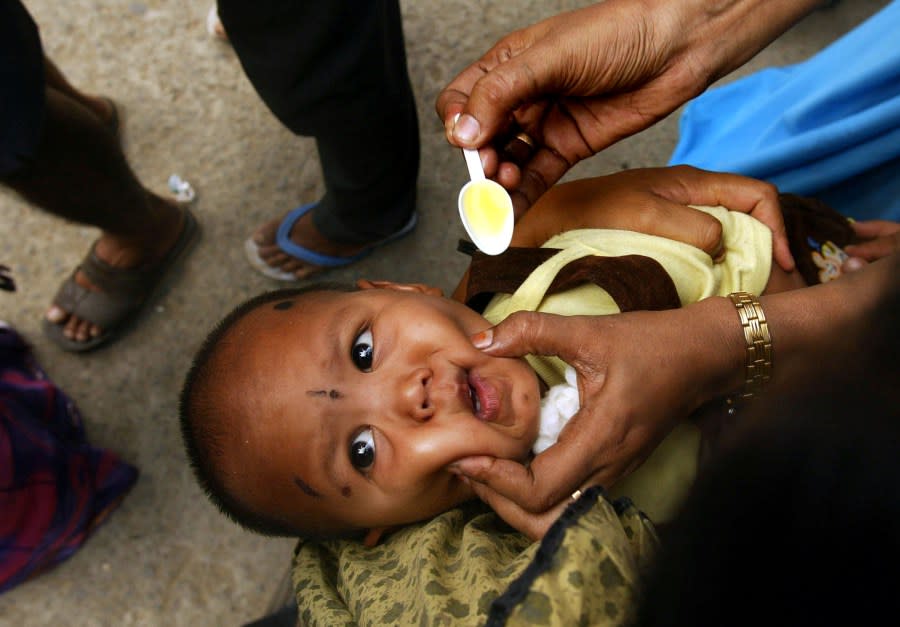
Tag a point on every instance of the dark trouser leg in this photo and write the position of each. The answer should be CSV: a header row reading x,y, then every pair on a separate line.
x,y
336,71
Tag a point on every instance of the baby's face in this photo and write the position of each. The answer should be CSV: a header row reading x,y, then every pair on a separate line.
x,y
354,404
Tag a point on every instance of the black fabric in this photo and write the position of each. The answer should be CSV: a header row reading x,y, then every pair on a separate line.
x,y
285,617
21,87
503,605
337,71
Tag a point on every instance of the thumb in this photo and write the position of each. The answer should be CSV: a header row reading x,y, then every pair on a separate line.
x,y
526,332
511,83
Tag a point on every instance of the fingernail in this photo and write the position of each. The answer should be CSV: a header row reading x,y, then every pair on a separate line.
x,y
484,339
459,467
466,129
853,264
718,255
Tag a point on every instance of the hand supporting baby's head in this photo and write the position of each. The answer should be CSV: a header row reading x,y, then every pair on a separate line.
x,y
328,411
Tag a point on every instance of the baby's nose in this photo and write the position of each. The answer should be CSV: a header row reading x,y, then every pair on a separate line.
x,y
414,395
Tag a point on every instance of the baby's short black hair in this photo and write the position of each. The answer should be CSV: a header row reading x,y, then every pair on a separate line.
x,y
203,425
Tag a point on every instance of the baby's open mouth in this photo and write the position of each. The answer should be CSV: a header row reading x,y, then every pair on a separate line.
x,y
484,399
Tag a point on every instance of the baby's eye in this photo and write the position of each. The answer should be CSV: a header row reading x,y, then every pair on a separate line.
x,y
362,450
363,351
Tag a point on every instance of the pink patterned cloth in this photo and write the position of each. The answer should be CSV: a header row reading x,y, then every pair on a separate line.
x,y
55,488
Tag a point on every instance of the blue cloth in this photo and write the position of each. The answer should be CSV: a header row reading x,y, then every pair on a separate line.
x,y
827,127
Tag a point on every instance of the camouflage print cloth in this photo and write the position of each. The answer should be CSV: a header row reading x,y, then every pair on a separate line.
x,y
467,567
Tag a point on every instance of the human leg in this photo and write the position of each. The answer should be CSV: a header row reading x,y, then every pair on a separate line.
x,y
78,172
102,107
336,71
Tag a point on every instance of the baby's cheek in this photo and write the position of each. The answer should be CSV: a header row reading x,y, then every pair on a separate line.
x,y
443,494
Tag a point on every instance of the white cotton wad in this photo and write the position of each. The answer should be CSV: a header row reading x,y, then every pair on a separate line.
x,y
558,405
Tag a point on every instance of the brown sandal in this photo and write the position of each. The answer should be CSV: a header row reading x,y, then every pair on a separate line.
x,y
123,292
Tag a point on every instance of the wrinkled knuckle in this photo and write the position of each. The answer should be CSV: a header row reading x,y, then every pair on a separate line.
x,y
514,319
648,219
768,191
504,49
684,170
494,88
534,181
710,234
480,472
520,320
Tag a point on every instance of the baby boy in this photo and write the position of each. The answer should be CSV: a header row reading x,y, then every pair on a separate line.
x,y
328,411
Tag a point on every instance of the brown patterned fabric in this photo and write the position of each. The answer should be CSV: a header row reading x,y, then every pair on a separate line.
x,y
810,224
467,567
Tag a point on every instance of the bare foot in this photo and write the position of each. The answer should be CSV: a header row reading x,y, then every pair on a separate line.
x,y
303,234
123,253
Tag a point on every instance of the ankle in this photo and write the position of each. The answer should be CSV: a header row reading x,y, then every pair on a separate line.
x,y
148,239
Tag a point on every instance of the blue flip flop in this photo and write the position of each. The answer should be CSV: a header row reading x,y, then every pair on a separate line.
x,y
283,239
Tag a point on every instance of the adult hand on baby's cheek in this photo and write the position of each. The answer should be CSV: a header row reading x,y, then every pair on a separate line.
x,y
638,374
760,199
533,525
581,450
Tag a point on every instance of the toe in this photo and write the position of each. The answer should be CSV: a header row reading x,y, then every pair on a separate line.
x,y
273,255
70,330
305,271
292,265
265,234
80,330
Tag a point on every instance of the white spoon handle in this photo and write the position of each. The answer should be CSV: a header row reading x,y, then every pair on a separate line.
x,y
473,162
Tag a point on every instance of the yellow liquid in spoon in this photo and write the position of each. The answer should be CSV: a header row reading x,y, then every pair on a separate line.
x,y
485,207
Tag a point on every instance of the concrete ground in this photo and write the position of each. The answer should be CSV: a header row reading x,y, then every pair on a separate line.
x,y
166,557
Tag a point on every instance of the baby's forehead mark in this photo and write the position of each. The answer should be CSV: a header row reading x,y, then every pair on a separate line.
x,y
346,492
332,394
308,489
285,304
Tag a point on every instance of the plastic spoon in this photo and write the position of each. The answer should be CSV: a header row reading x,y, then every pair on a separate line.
x,y
485,209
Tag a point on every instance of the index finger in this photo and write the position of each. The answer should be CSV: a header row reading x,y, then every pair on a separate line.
x,y
544,169
453,100
737,193
518,70
455,96
552,475
528,332
533,525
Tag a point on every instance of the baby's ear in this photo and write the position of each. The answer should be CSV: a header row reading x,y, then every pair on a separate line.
x,y
366,284
373,536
